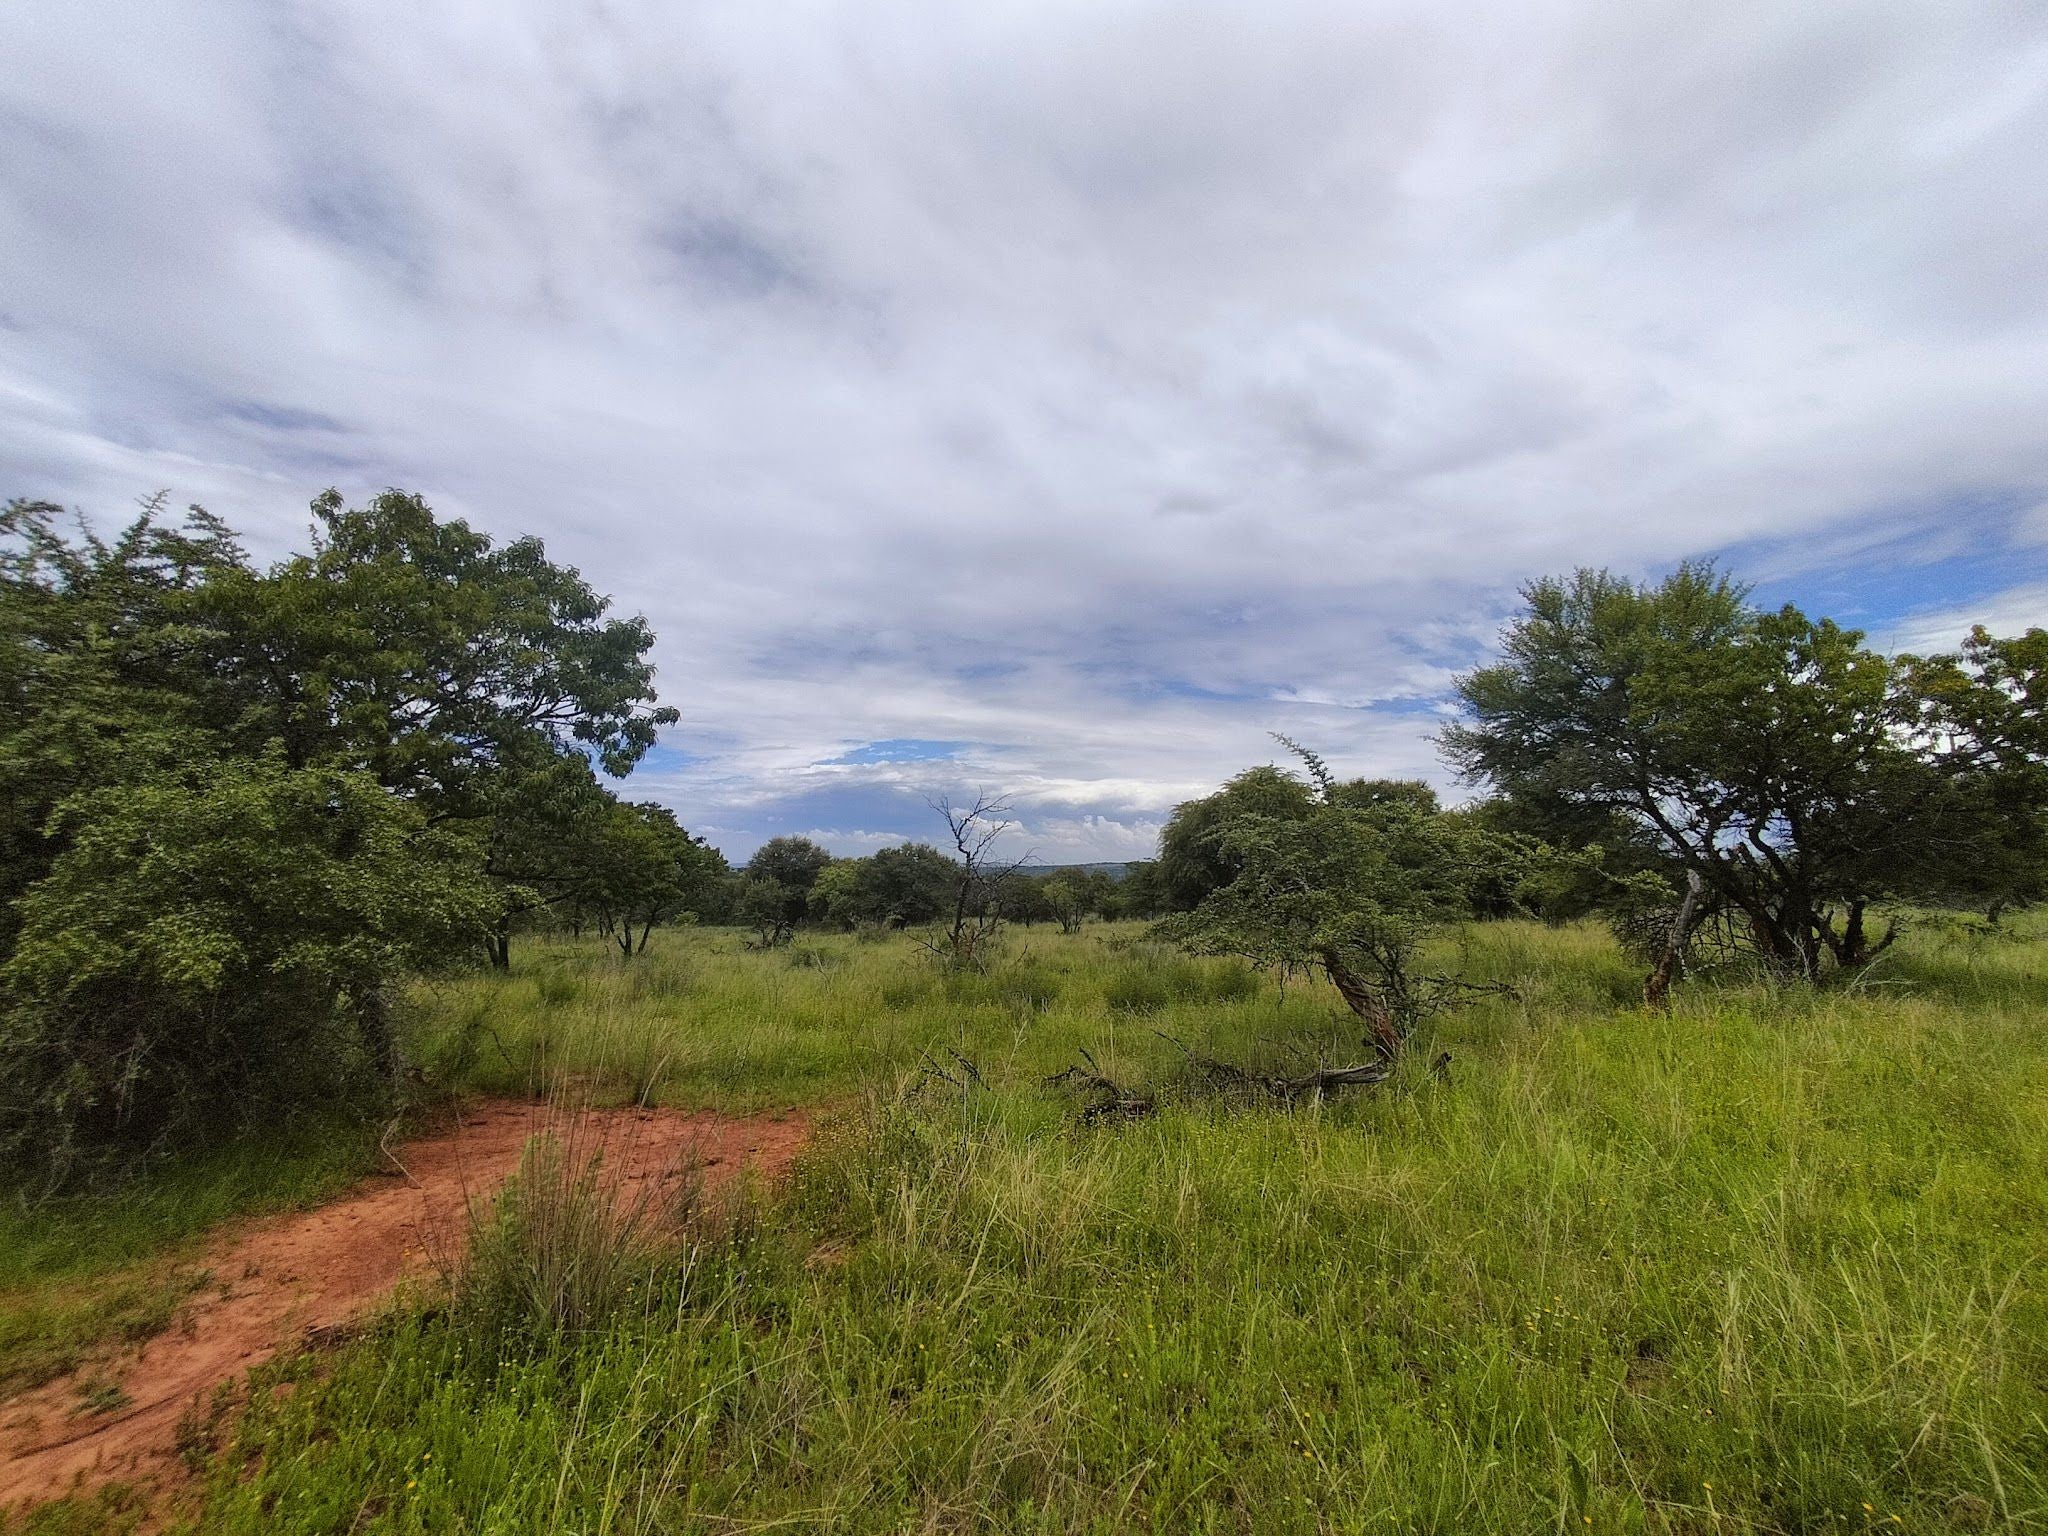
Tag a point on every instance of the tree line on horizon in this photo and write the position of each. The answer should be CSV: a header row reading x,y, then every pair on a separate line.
x,y
241,806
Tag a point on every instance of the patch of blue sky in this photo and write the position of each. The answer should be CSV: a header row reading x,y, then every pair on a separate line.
x,y
901,749
1946,556
848,819
1413,704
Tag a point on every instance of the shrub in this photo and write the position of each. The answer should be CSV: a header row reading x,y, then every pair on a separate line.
x,y
209,950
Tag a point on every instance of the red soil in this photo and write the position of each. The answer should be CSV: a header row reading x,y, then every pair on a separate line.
x,y
280,1280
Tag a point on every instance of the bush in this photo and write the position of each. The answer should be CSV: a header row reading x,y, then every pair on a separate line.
x,y
207,952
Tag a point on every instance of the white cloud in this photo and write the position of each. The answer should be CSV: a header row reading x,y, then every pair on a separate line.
x,y
2005,613
1103,385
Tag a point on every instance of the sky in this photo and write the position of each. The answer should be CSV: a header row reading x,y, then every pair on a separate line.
x,y
1054,398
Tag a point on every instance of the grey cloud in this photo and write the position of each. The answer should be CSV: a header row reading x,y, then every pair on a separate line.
x,y
1102,384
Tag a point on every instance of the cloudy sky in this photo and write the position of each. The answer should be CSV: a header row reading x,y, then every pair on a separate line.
x,y
1054,397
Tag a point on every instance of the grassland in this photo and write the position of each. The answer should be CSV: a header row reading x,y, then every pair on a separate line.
x,y
1771,1262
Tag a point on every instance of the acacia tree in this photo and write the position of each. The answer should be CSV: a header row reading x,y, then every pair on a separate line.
x,y
645,869
105,677
1982,714
1351,889
1768,755
1066,901
1193,860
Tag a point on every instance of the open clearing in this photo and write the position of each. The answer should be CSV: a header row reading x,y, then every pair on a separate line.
x,y
1769,1262
283,1279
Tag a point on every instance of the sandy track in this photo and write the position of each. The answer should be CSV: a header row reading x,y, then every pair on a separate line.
x,y
277,1280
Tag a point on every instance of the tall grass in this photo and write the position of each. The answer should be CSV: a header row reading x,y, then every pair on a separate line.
x,y
1772,1262
571,1239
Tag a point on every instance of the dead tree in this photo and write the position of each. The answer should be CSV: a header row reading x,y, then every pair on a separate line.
x,y
1107,1098
977,908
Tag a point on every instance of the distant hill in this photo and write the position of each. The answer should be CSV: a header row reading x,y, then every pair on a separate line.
x,y
1115,870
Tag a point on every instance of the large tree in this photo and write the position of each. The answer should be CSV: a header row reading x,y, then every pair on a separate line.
x,y
892,887
776,894
645,870
1768,754
408,704
1982,714
423,652
1193,860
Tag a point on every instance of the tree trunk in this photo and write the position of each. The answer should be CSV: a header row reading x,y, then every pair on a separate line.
x,y
1657,989
1381,1030
373,1018
1855,949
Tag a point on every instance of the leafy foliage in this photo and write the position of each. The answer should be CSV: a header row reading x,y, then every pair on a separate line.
x,y
1193,859
235,804
1770,754
208,944
1351,888
896,887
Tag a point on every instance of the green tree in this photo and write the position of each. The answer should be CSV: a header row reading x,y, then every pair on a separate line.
x,y
647,870
1066,898
1193,859
837,897
543,835
908,884
1141,892
215,944
1763,751
1351,889
425,654
1982,714
105,677
780,876
472,687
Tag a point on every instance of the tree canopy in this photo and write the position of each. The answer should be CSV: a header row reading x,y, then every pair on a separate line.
x,y
1351,886
236,803
1799,775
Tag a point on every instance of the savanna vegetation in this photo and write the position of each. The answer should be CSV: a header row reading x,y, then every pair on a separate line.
x,y
1653,1143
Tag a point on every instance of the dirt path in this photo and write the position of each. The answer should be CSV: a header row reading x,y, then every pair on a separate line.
x,y
277,1280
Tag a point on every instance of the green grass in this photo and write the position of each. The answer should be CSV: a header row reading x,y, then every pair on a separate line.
x,y
1773,1262
701,1020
